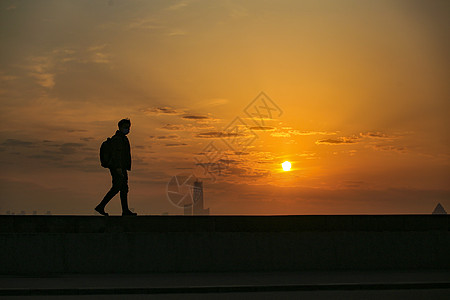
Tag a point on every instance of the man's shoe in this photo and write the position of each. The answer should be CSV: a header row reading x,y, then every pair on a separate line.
x,y
101,211
128,213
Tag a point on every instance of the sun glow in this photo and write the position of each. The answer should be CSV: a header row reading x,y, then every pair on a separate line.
x,y
286,166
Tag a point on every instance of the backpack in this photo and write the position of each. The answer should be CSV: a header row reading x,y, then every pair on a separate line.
x,y
106,153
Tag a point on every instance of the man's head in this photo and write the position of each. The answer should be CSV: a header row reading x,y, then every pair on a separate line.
x,y
124,125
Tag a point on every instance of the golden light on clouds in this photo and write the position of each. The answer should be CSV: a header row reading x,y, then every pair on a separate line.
x,y
360,89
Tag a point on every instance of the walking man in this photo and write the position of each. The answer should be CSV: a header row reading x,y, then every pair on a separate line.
x,y
120,163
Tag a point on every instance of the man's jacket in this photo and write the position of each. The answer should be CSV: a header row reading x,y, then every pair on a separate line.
x,y
121,152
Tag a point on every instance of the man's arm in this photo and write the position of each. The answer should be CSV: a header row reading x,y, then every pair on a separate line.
x,y
117,149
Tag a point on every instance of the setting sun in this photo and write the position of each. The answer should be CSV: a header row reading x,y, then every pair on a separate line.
x,y
286,166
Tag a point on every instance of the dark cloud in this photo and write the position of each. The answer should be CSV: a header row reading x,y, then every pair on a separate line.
x,y
76,130
241,153
176,144
227,161
18,143
338,141
67,148
161,110
167,137
195,117
70,148
87,139
218,134
393,148
245,172
172,127
46,157
374,135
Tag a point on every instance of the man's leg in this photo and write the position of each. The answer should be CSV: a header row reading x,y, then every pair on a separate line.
x,y
116,185
123,196
124,192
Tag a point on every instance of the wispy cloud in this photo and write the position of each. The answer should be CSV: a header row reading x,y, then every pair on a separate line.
x,y
219,134
176,144
393,148
337,141
165,137
179,5
144,24
377,135
165,110
17,143
288,132
177,32
195,117
40,69
268,128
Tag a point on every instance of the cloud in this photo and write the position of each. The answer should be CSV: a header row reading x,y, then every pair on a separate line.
x,y
66,148
176,32
288,132
338,141
218,134
144,24
161,111
195,117
186,127
17,143
399,149
298,132
262,128
176,144
40,70
280,134
7,77
165,137
173,127
178,5
86,139
376,134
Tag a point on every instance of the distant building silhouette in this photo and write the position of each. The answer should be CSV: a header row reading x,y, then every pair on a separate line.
x,y
198,199
188,209
49,212
439,210
34,212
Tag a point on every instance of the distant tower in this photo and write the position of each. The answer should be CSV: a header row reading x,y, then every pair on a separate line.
x,y
439,210
198,199
188,209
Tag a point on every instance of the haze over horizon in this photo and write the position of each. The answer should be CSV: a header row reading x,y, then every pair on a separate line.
x,y
362,88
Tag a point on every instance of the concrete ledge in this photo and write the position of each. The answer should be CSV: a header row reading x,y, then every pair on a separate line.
x,y
90,244
226,289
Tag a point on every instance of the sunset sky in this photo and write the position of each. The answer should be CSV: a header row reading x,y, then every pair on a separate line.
x,y
359,90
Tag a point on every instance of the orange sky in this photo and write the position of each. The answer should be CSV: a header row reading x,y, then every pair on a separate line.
x,y
361,86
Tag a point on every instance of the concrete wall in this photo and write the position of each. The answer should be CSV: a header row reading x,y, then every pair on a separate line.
x,y
91,244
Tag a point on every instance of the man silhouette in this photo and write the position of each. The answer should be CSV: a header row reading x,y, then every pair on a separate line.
x,y
120,163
